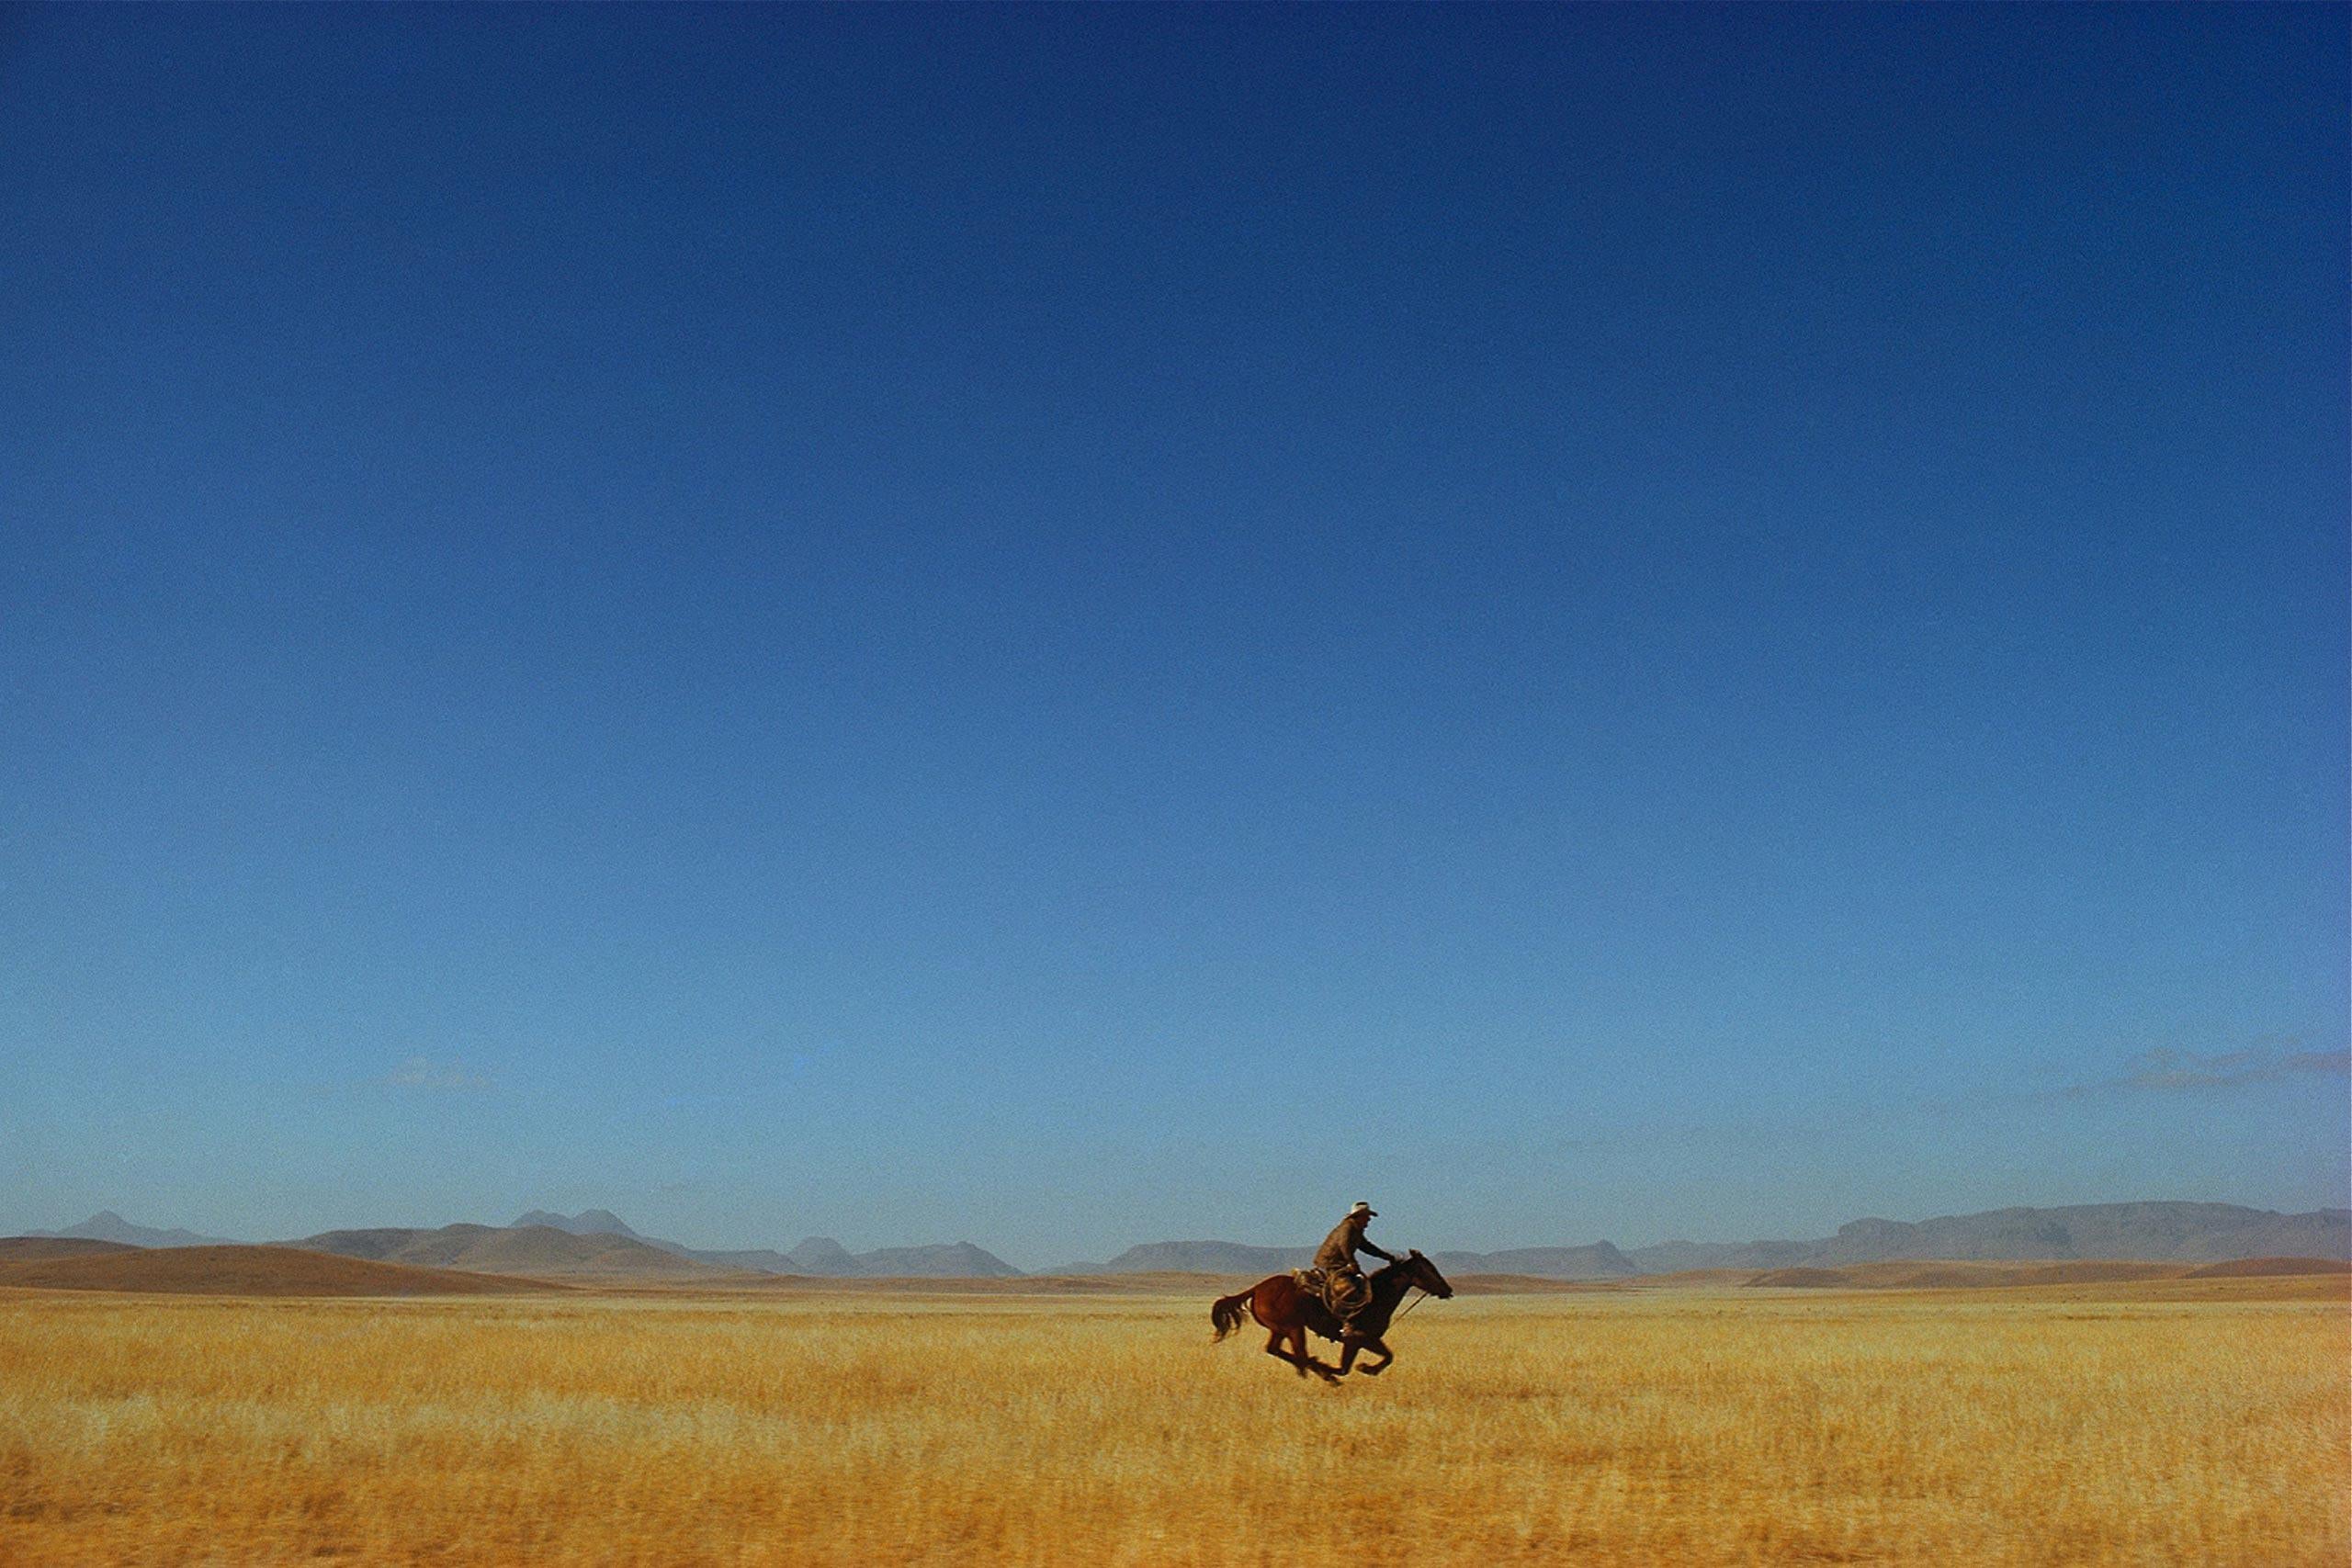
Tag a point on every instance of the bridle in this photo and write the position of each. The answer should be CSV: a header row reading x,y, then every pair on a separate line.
x,y
1414,1302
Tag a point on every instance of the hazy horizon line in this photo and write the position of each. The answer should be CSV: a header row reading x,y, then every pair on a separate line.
x,y
1788,1235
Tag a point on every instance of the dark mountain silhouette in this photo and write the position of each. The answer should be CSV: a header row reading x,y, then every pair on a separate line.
x,y
822,1254
107,1225
603,1221
589,1222
824,1258
959,1259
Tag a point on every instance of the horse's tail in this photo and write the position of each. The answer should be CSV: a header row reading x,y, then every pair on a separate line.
x,y
1230,1313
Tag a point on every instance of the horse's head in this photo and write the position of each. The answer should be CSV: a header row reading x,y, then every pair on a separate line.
x,y
1421,1272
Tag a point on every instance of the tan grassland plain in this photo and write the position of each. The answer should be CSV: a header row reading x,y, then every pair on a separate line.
x,y
1693,1427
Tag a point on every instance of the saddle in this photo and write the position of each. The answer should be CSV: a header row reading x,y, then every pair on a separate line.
x,y
1345,1294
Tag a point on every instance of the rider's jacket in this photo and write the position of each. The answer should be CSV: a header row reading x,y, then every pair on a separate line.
x,y
1347,1238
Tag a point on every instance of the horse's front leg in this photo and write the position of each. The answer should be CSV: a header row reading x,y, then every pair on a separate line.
x,y
1379,1347
1348,1346
1275,1349
1309,1360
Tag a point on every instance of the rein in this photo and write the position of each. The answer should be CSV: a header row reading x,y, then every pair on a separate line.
x,y
1410,1305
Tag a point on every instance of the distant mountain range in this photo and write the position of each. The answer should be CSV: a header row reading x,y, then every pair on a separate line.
x,y
817,1254
107,1225
604,1222
1598,1261
595,1242
2186,1232
536,1250
2183,1233
1197,1258
598,1243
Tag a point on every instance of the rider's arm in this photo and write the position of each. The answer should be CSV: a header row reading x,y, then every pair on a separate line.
x,y
1378,1251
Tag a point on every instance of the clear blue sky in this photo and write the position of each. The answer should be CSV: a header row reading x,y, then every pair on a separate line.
x,y
1075,626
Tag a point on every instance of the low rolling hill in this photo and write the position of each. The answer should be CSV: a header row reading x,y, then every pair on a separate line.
x,y
1963,1274
2270,1267
237,1271
50,1248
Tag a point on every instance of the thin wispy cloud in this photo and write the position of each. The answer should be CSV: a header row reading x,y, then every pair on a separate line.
x,y
424,1073
2165,1071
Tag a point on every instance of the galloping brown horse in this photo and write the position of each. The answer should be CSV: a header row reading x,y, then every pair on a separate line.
x,y
1286,1312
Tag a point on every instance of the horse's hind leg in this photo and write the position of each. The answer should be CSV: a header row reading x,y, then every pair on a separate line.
x,y
1307,1362
1275,1349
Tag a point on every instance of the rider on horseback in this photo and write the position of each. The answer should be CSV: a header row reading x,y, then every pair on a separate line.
x,y
1345,1288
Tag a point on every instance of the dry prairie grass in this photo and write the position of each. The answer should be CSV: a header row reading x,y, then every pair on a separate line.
x,y
1666,1429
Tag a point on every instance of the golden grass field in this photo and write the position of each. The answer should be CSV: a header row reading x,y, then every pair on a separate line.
x,y
2095,1424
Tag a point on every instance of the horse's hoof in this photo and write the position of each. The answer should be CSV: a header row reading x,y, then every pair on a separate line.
x,y
1372,1371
